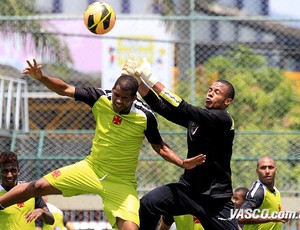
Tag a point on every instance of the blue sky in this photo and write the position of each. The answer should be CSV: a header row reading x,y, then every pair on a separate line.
x,y
290,8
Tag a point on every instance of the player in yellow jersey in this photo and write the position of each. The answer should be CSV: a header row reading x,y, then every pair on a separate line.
x,y
122,122
61,222
263,196
20,216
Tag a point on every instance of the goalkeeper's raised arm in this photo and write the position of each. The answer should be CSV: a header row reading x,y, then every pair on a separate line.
x,y
143,73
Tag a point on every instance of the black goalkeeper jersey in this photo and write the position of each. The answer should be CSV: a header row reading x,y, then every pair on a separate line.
x,y
210,132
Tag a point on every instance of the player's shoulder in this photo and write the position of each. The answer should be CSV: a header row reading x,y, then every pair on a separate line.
x,y
257,190
140,105
89,95
221,113
89,90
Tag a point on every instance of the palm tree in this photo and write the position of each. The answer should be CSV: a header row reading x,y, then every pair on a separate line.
x,y
44,43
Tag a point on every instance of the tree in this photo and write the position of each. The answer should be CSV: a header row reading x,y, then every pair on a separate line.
x,y
264,96
22,28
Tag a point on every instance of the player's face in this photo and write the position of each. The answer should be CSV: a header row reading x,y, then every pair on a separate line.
x,y
238,199
122,100
217,96
266,171
9,175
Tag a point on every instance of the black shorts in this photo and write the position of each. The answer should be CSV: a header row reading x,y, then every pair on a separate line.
x,y
175,199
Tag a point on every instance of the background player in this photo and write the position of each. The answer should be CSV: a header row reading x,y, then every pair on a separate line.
x,y
60,222
22,215
239,196
263,195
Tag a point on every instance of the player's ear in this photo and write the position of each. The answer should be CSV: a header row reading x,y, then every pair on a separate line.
x,y
228,101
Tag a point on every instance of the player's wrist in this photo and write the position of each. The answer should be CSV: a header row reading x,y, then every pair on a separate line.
x,y
182,163
151,80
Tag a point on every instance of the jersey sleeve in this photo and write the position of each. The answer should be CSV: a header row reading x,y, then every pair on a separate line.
x,y
40,203
152,133
164,108
39,222
213,117
88,95
254,197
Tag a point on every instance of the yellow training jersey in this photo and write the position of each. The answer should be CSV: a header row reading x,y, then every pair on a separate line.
x,y
13,217
260,196
118,137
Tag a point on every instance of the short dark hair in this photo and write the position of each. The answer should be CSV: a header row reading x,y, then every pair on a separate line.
x,y
127,83
231,90
244,190
8,157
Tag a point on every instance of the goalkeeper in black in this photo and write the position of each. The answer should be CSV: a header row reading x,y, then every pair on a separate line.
x,y
206,190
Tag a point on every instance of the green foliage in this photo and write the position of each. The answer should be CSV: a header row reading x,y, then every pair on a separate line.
x,y
264,96
265,99
281,146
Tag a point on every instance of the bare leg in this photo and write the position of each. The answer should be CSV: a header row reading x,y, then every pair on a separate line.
x,y
25,191
162,225
126,224
298,224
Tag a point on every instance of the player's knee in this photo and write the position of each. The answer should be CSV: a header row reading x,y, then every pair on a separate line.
x,y
126,224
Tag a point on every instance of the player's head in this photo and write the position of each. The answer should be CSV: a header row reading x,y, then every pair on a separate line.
x,y
9,166
220,95
124,93
239,196
266,171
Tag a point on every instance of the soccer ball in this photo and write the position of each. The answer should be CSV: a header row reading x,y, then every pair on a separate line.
x,y
99,18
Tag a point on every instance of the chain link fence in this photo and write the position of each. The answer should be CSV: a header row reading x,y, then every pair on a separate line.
x,y
190,44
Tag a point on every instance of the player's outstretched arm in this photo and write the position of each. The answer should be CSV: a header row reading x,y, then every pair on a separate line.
x,y
54,84
169,155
